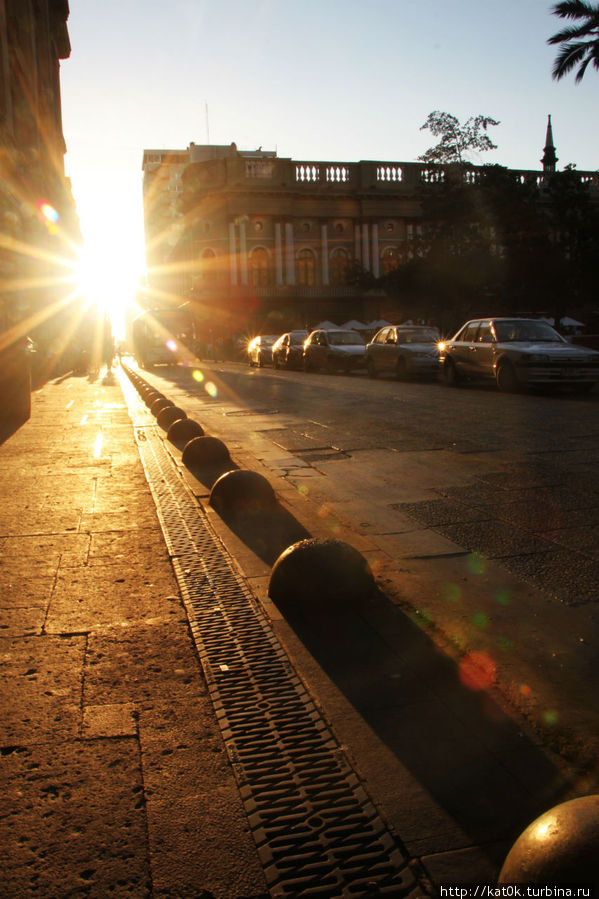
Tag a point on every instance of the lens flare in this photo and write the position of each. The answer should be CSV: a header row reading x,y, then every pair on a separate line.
x,y
476,563
452,592
172,345
477,670
211,389
198,376
48,212
480,620
550,717
503,596
48,216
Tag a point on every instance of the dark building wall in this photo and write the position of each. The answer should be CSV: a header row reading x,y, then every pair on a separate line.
x,y
38,222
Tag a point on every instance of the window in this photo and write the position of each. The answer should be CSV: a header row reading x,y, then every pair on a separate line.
x,y
306,268
259,268
339,265
468,335
485,333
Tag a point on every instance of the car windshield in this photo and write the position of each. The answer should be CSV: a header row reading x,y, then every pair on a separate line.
x,y
345,338
267,340
525,331
418,335
299,338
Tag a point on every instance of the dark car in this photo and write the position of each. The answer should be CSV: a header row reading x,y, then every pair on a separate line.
x,y
517,352
334,349
404,350
260,349
288,350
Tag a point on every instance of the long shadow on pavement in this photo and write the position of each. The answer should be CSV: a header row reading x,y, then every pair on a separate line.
x,y
456,742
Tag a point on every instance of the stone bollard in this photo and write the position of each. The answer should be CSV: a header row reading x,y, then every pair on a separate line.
x,y
203,451
158,403
319,574
242,492
183,430
560,847
168,415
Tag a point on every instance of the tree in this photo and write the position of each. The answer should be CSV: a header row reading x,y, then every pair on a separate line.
x,y
579,43
456,139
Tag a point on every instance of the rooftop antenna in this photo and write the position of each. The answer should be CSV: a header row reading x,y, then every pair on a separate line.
x,y
207,127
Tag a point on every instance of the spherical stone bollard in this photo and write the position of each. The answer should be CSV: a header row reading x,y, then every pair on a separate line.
x,y
318,573
183,430
242,492
204,451
158,403
560,847
168,415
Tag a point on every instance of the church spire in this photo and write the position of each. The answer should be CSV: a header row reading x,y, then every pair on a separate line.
x,y
549,157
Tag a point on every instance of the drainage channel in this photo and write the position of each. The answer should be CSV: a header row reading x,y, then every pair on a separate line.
x,y
317,831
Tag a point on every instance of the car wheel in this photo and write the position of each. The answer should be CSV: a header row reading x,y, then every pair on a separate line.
x,y
506,378
402,370
450,374
331,367
371,369
275,362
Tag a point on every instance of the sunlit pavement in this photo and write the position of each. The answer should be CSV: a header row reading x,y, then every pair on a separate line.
x,y
114,773
115,780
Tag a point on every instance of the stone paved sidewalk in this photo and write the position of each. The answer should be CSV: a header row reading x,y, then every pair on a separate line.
x,y
114,778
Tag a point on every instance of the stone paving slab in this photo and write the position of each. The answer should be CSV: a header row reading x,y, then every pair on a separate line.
x,y
113,776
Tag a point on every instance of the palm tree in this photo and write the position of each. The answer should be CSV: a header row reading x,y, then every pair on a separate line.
x,y
580,43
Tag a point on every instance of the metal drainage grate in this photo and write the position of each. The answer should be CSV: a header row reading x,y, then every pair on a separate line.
x,y
316,830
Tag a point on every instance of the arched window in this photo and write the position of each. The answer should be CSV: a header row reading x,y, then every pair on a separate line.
x,y
306,268
209,267
390,259
339,264
259,267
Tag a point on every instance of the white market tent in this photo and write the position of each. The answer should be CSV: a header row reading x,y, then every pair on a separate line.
x,y
324,326
381,323
354,325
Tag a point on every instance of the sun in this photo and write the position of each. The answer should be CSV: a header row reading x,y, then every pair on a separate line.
x,y
108,278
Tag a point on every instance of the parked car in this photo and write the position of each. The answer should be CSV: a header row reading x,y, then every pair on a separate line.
x,y
403,350
260,349
288,350
517,352
335,349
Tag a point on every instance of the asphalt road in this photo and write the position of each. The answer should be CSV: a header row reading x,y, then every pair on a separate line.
x,y
444,479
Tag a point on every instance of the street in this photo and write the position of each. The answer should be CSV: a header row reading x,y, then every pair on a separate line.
x,y
487,502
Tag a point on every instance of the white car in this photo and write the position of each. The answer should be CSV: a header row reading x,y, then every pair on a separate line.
x,y
334,349
404,350
517,352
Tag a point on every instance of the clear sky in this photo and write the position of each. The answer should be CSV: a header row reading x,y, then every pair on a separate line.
x,y
318,79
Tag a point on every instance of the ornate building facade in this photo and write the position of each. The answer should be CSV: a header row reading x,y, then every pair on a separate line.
x,y
260,242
